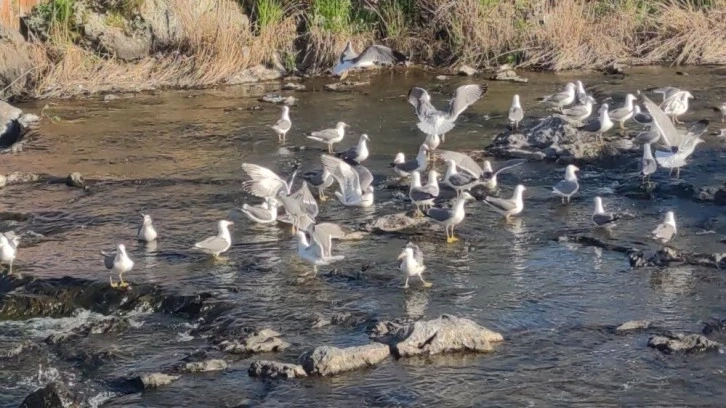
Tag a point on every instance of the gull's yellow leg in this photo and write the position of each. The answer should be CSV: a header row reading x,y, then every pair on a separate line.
x,y
426,284
113,284
453,238
122,284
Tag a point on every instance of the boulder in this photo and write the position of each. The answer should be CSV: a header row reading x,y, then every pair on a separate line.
x,y
258,73
3,181
291,86
466,70
274,369
681,342
205,366
52,395
14,63
399,222
329,360
164,23
125,44
75,180
445,334
508,74
633,325
243,340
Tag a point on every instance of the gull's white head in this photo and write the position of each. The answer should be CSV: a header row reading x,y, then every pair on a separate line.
x,y
400,158
519,190
604,108
466,196
121,248
147,219
580,86
223,224
4,240
570,172
364,137
598,206
570,87
515,100
341,125
670,218
689,95
488,167
407,252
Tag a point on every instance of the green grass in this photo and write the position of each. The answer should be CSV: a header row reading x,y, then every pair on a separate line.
x,y
332,15
268,13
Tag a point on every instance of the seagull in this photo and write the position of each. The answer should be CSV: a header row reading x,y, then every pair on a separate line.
x,y
265,213
313,251
435,122
412,264
357,154
450,217
146,231
373,55
432,142
562,99
580,93
433,182
667,92
219,243
300,206
516,114
353,190
8,249
722,110
324,233
568,187
666,230
681,146
421,195
578,113
118,262
320,179
487,174
600,125
404,168
264,182
510,207
648,164
641,117
676,105
602,218
621,115
459,181
330,136
282,126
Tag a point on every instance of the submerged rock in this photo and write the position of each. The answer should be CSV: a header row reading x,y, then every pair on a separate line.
x,y
14,126
75,180
274,369
345,86
243,340
715,326
292,86
279,99
53,395
22,178
681,342
445,334
633,325
132,385
328,360
506,73
204,366
114,324
394,223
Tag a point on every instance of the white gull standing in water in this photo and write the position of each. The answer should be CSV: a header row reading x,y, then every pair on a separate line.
x,y
282,126
666,230
330,136
421,196
450,217
358,153
412,264
508,207
568,187
146,231
265,213
218,244
516,114
601,218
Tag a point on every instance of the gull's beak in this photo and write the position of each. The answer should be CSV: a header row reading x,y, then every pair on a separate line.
x,y
403,255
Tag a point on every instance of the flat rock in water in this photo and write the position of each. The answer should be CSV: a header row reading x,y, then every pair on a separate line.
x,y
205,366
442,77
22,178
279,99
3,181
251,341
156,380
445,334
466,70
681,342
345,86
75,180
508,75
328,360
274,369
291,86
633,325
395,223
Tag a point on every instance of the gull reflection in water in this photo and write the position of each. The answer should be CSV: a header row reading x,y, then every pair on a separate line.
x,y
517,227
416,302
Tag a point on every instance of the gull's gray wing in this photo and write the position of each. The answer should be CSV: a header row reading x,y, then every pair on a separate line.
x,y
643,118
664,232
440,214
500,203
408,166
345,175
667,91
321,244
509,164
650,136
13,239
379,55
348,53
566,188
258,212
282,125
591,126
464,96
264,188
365,177
575,111
417,253
668,131
331,229
258,172
421,101
314,177
602,219
698,128
108,259
306,200
463,161
212,244
419,194
515,114
461,179
350,154
324,135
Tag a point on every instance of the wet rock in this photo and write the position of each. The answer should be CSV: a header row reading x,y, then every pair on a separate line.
x,y
113,324
75,180
681,342
633,325
22,178
445,334
291,86
279,99
132,42
3,181
14,126
328,360
507,73
274,369
243,340
615,68
14,63
442,77
343,319
466,70
715,194
205,366
53,395
10,351
394,223
715,326
258,73
345,86
110,97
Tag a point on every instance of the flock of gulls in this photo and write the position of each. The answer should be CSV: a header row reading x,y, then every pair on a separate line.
x,y
663,145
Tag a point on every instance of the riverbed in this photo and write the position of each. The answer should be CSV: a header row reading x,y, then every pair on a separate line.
x,y
177,154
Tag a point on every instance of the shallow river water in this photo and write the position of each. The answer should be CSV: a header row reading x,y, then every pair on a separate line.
x,y
177,156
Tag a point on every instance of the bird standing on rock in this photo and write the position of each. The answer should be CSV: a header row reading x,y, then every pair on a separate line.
x,y
118,262
516,114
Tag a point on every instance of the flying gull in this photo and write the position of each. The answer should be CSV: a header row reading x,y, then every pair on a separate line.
x,y
666,230
265,213
601,218
372,56
358,153
330,136
561,99
146,231
282,126
621,115
421,195
412,264
403,167
118,262
516,114
353,191
264,182
218,244
510,207
568,187
435,122
450,217
666,92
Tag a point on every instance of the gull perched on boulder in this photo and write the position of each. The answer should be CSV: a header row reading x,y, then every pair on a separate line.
x,y
508,207
439,122
282,126
146,231
218,244
601,218
600,125
568,187
579,113
666,230
118,262
516,114
621,115
330,136
412,264
374,55
450,217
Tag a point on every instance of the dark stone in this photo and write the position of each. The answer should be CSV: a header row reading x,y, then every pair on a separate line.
x,y
681,342
51,396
